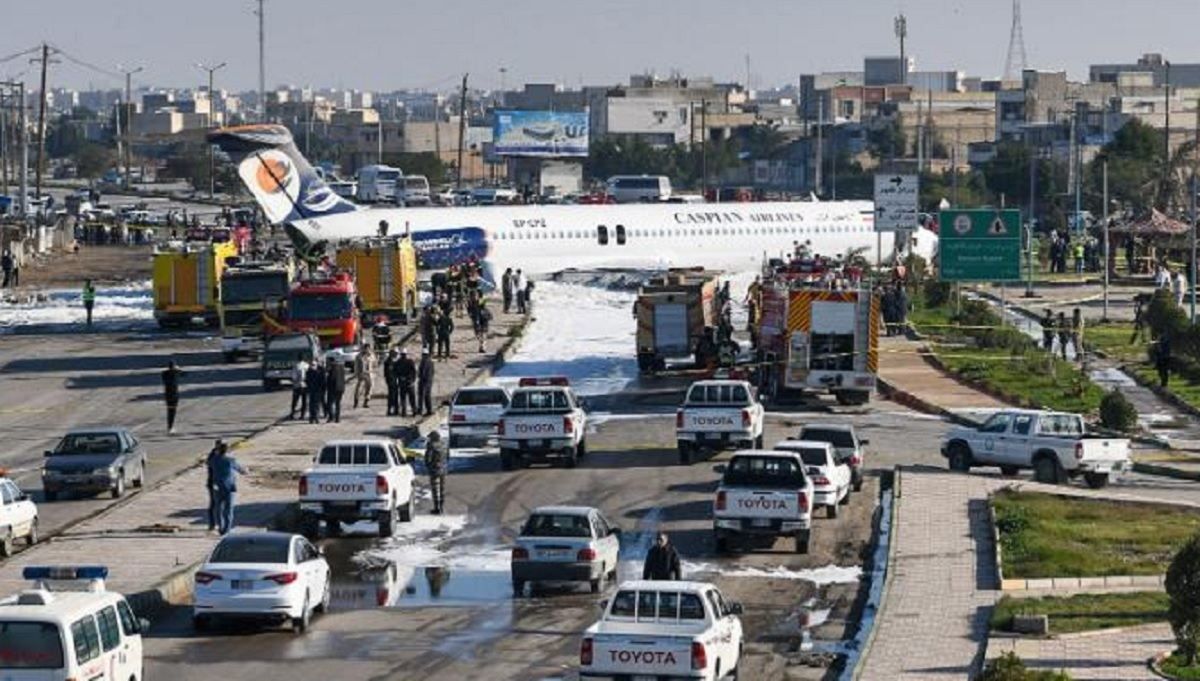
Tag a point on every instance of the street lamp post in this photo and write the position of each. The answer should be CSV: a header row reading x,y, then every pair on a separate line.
x,y
212,179
128,123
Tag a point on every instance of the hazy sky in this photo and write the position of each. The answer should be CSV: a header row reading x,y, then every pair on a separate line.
x,y
388,44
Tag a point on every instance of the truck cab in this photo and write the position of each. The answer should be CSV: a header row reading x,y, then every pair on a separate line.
x,y
247,290
325,306
664,630
544,421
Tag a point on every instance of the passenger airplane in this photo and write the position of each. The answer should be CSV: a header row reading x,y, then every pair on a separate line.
x,y
733,237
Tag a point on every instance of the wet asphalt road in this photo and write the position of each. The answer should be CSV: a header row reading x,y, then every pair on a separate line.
x,y
456,617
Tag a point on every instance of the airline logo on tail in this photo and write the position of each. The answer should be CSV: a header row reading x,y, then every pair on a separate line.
x,y
281,180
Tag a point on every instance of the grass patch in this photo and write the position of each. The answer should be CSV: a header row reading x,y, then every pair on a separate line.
x,y
1045,535
1174,665
1112,338
1085,612
1039,380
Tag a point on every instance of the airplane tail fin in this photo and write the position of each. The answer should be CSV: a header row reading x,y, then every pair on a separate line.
x,y
278,176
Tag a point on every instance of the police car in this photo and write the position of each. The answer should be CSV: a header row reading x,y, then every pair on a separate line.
x,y
68,626
544,421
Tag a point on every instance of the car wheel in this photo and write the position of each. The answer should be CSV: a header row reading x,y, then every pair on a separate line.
x,y
118,489
1009,471
6,544
229,357
1096,480
323,606
387,524
581,450
685,454
845,497
831,511
722,545
802,539
406,511
506,460
1045,470
518,587
960,457
32,537
572,459
140,480
300,624
858,483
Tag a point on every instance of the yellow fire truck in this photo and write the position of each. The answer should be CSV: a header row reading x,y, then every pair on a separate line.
x,y
385,272
672,314
187,281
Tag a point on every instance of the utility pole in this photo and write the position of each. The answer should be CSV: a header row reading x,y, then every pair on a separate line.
x,y
1167,112
1077,164
262,61
128,160
379,140
1032,217
1195,151
901,26
212,168
462,130
1104,182
23,172
41,129
5,95
704,148
820,152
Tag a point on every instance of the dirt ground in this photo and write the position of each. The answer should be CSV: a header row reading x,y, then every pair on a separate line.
x,y
101,264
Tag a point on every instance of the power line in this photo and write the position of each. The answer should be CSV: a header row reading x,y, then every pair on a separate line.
x,y
86,64
18,55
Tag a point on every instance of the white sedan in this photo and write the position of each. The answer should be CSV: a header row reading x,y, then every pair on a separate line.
x,y
269,576
831,478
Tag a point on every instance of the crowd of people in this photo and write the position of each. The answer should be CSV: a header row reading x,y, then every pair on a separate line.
x,y
1084,252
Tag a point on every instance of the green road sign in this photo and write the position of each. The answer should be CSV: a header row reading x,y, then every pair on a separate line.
x,y
979,245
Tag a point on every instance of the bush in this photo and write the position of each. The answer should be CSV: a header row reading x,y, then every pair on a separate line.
x,y
1009,667
936,293
1117,413
1183,590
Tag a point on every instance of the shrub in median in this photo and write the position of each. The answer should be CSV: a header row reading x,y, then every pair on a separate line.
x,y
1117,413
1183,590
1009,667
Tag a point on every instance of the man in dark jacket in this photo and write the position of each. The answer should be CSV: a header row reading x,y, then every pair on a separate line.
x,y
393,384
425,384
437,463
170,379
662,562
406,376
219,449
314,380
428,326
335,386
445,327
506,287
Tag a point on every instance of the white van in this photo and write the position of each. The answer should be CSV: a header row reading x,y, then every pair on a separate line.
x,y
415,191
378,183
69,627
639,188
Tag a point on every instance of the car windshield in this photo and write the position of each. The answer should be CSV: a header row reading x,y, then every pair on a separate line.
x,y
30,645
289,344
251,550
470,398
89,443
253,288
556,525
837,438
811,457
764,471
319,306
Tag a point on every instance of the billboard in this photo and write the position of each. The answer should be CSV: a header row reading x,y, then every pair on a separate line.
x,y
540,133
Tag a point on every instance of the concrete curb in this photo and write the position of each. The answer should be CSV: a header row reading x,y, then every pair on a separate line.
x,y
176,588
889,575
1165,471
1083,584
908,399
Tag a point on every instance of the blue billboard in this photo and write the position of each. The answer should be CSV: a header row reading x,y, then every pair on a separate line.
x,y
540,133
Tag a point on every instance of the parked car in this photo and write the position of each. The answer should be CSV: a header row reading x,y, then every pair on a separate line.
x,y
831,478
849,447
18,517
94,460
565,544
269,576
763,494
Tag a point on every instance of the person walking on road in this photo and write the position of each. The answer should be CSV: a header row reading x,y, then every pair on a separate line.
x,y
299,389
1162,359
225,470
445,328
506,288
7,263
364,379
314,381
483,322
335,387
393,385
219,448
425,384
1077,333
522,282
89,299
437,459
170,379
406,375
662,561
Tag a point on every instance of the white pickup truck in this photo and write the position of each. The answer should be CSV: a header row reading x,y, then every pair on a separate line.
x,y
718,415
474,412
1054,444
544,420
664,630
763,494
353,480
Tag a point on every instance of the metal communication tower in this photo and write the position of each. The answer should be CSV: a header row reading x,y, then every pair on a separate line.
x,y
1016,44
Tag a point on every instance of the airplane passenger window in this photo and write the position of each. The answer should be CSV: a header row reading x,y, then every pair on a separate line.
x,y
602,235
620,235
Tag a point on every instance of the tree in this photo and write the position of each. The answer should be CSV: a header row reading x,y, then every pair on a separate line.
x,y
424,163
189,161
92,160
1136,173
887,140
1183,592
763,142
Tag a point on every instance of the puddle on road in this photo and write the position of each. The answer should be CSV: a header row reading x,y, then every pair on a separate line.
x,y
821,576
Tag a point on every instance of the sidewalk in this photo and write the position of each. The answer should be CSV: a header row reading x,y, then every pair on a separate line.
x,y
906,377
152,541
1113,654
